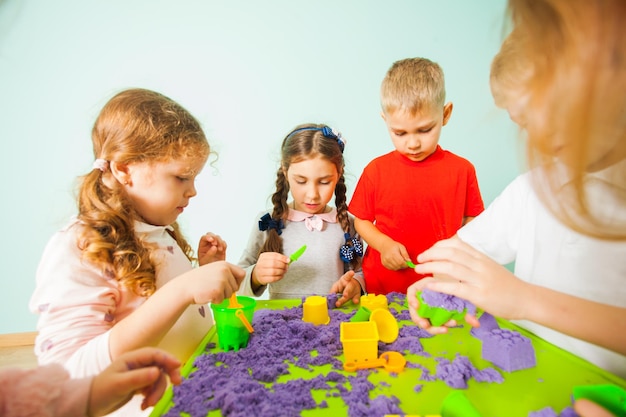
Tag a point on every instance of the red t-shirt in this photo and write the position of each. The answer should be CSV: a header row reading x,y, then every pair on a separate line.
x,y
414,203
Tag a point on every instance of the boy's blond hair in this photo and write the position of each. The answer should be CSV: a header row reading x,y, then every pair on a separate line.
x,y
411,85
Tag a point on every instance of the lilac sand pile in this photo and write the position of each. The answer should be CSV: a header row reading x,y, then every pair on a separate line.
x,y
487,324
446,301
508,350
549,412
259,380
248,382
457,373
505,348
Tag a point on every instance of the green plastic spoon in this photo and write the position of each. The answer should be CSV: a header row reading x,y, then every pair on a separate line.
x,y
294,256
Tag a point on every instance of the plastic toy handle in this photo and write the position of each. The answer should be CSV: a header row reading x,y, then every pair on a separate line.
x,y
244,320
233,302
392,361
410,264
395,361
353,366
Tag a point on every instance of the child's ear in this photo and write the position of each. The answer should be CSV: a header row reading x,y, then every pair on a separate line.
x,y
382,114
447,112
121,172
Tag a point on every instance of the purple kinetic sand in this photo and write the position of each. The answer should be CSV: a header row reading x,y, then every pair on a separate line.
x,y
401,315
245,382
456,373
408,341
568,412
331,300
396,297
508,350
544,412
549,412
445,301
487,324
255,381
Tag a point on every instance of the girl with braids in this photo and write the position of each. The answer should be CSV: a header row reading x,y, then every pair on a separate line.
x,y
312,168
120,275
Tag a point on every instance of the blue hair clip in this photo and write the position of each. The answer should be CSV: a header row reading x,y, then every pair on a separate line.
x,y
327,132
352,247
267,223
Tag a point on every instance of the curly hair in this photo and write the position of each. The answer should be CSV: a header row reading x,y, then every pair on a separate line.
x,y
305,142
136,125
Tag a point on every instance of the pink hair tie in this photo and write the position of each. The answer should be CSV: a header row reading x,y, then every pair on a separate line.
x,y
101,164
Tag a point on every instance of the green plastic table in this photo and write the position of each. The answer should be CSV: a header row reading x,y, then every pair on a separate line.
x,y
550,383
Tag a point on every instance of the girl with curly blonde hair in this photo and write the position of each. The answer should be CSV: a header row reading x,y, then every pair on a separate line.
x,y
120,276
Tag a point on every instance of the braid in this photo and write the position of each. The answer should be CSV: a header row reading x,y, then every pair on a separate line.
x,y
342,214
340,204
273,242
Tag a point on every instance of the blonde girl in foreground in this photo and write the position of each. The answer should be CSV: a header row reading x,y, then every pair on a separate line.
x,y
573,112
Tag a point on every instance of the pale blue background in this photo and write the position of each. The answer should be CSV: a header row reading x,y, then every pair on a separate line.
x,y
249,71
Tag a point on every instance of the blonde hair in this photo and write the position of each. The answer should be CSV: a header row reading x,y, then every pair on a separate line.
x,y
304,142
509,71
411,85
136,125
577,107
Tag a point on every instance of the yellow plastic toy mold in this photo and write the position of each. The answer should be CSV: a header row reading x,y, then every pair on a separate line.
x,y
360,341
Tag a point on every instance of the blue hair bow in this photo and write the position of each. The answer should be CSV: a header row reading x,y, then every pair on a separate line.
x,y
327,131
331,134
267,223
352,247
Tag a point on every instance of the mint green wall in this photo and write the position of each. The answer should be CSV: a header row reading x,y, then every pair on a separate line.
x,y
249,71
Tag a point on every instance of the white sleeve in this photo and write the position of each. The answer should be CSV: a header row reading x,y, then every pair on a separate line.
x,y
496,231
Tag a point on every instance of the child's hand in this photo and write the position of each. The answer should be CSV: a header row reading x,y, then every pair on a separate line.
x,y
144,371
394,255
211,248
462,271
587,408
413,301
212,283
270,267
348,287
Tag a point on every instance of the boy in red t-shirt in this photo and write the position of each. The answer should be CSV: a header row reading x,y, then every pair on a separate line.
x,y
418,194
